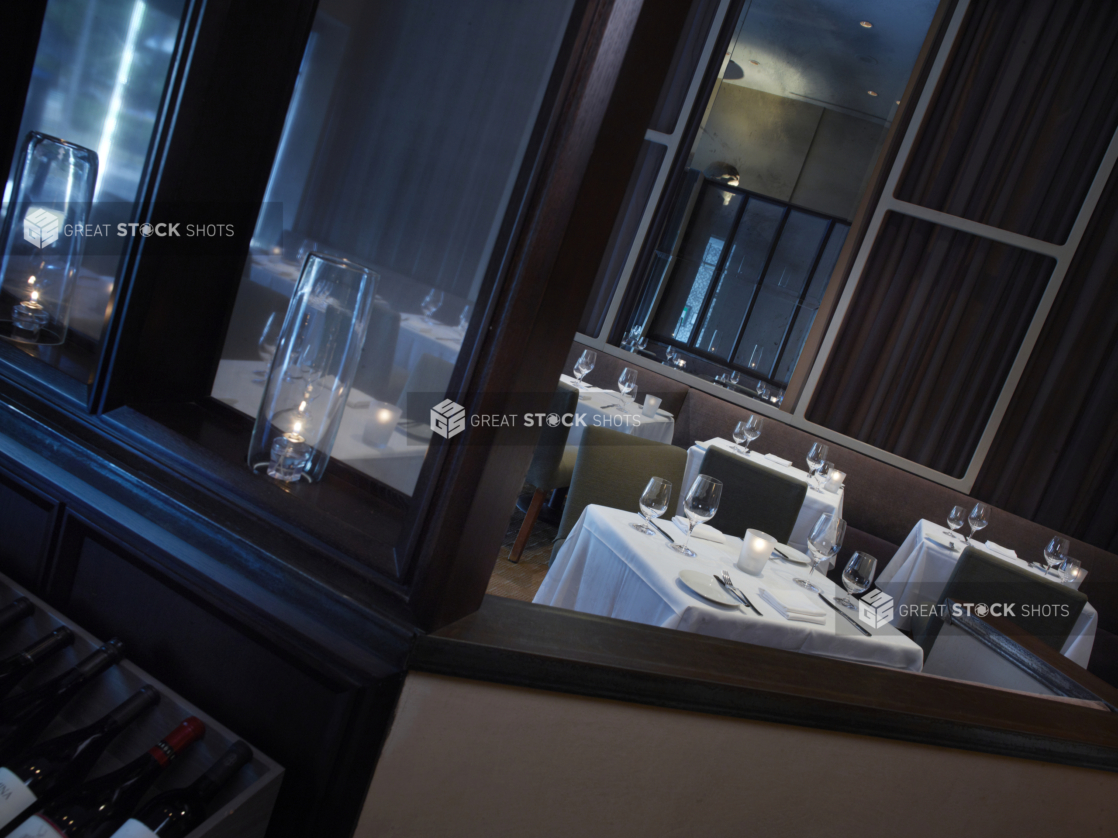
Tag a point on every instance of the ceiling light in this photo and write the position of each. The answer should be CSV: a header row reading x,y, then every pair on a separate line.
x,y
872,92
865,24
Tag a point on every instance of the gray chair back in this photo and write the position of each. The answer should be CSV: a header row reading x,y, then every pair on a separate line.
x,y
1041,606
613,468
753,497
545,470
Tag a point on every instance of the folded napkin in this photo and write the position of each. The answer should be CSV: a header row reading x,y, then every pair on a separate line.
x,y
780,461
793,605
1005,553
703,531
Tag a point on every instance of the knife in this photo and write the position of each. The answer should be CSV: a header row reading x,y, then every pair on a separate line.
x,y
849,619
656,526
732,589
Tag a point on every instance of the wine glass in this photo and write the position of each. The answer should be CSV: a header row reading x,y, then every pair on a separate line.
x,y
585,363
739,437
825,541
978,518
762,391
735,378
1055,552
700,505
464,318
816,456
627,383
430,305
641,343
653,503
628,399
955,520
669,356
266,346
752,430
823,474
857,577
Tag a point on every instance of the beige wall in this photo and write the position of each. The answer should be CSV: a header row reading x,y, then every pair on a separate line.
x,y
465,759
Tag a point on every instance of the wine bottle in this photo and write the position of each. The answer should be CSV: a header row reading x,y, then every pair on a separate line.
x,y
59,764
25,715
98,807
16,610
19,666
178,812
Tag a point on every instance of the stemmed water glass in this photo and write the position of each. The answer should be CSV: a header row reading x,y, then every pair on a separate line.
x,y
978,518
823,473
431,304
700,505
748,430
816,456
955,520
825,541
583,365
653,503
627,383
857,577
1055,553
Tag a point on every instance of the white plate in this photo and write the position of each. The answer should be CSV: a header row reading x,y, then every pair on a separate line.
x,y
793,554
705,586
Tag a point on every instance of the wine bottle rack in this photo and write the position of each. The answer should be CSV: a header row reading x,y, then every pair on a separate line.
x,y
243,807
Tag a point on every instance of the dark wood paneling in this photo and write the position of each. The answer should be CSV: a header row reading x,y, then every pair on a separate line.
x,y
27,520
551,648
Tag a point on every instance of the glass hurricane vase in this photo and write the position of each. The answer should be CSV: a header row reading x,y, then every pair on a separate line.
x,y
312,369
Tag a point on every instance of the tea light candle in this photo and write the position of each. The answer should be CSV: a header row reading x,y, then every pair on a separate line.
x,y
837,476
30,316
378,430
291,454
651,405
756,548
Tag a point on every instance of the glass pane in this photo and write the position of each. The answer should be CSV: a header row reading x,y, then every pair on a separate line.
x,y
399,152
806,312
693,269
795,254
748,254
100,70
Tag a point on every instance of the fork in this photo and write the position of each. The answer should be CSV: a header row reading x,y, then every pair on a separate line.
x,y
729,583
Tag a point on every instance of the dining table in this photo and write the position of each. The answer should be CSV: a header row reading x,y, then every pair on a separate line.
x,y
607,568
419,337
922,565
608,409
817,501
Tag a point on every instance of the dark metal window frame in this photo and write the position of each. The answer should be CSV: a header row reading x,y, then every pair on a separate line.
x,y
691,345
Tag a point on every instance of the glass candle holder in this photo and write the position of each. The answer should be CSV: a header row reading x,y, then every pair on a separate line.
x,y
379,429
51,197
756,549
316,356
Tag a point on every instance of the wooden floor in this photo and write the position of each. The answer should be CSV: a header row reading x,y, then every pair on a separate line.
x,y
522,580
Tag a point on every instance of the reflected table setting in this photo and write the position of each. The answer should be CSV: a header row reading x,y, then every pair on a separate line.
x,y
607,568
418,338
921,567
396,463
607,409
816,502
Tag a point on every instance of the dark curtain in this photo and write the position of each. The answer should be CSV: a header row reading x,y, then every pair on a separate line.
x,y
1022,116
928,341
1055,459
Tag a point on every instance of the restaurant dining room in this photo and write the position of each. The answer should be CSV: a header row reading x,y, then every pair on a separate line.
x,y
558,417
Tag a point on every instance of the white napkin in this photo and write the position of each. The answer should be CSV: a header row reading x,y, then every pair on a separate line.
x,y
1005,553
793,605
703,531
780,461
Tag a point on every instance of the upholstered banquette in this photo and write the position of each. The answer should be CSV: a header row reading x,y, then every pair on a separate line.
x,y
882,502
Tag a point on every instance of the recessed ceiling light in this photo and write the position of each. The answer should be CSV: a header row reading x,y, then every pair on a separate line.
x,y
865,24
872,92
754,63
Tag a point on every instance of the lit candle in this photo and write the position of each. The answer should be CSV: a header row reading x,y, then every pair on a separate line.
x,y
378,430
756,549
290,453
29,317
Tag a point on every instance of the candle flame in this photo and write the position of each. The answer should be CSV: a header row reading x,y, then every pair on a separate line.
x,y
302,407
34,296
31,281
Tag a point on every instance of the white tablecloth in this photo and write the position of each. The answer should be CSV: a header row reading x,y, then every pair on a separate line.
x,y
607,568
418,338
396,465
817,501
595,411
919,570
